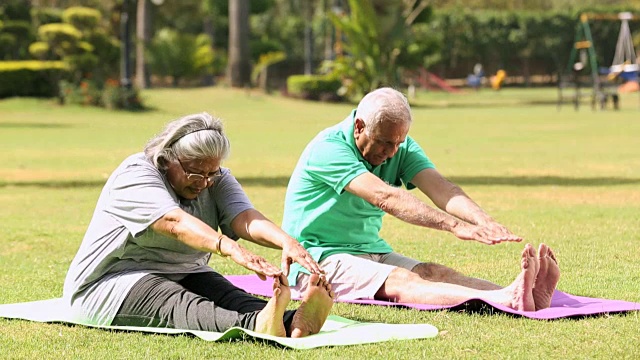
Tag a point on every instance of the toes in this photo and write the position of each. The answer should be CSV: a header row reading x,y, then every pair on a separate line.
x,y
543,250
525,251
529,251
552,255
327,286
314,280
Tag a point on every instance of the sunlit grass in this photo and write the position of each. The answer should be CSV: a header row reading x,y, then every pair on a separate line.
x,y
570,179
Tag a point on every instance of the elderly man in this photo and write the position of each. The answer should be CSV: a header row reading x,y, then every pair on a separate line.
x,y
351,174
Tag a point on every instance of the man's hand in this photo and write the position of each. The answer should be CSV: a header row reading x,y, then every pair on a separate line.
x,y
489,235
292,252
500,232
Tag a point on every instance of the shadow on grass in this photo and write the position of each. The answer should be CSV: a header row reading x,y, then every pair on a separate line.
x,y
479,307
543,180
55,184
15,125
476,105
283,181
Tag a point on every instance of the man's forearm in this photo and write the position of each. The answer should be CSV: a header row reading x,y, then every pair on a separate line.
x,y
462,207
406,207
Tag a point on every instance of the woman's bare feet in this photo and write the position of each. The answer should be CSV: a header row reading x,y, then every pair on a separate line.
x,y
547,278
269,320
317,301
520,292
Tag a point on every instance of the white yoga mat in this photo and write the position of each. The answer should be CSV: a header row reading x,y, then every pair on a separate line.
x,y
337,331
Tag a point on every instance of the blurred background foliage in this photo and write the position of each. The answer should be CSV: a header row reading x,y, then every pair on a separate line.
x,y
362,43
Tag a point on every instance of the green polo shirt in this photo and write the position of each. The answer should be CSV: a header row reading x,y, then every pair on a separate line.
x,y
324,217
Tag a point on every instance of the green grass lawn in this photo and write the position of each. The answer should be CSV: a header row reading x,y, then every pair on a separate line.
x,y
569,179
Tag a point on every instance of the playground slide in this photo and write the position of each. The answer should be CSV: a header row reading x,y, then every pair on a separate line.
x,y
441,83
431,81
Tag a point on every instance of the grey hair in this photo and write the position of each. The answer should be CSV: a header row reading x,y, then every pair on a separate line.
x,y
383,105
188,138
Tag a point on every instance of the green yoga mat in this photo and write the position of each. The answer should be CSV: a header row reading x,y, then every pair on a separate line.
x,y
337,331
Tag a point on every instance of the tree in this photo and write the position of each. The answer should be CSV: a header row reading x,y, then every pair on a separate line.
x,y
180,56
383,39
239,70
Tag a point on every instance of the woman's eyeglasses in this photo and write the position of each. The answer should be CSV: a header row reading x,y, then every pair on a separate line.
x,y
199,177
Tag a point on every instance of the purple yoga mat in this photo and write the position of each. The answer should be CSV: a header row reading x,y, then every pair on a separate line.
x,y
562,304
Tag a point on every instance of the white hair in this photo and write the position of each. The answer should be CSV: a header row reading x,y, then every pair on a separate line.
x,y
192,137
383,105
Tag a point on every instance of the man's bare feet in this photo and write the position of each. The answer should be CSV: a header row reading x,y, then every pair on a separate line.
x,y
317,301
547,278
520,292
269,320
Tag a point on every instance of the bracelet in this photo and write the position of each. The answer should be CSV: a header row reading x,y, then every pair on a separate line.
x,y
218,243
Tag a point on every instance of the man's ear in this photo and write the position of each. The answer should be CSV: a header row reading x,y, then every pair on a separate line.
x,y
358,126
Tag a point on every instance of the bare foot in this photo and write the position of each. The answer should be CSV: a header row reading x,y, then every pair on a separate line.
x,y
547,278
520,292
269,320
317,301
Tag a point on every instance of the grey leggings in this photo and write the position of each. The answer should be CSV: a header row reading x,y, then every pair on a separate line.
x,y
203,301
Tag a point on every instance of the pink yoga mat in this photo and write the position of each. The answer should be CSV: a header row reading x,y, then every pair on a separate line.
x,y
562,304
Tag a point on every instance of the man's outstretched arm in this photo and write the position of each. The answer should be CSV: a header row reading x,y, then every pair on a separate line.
x,y
406,207
452,199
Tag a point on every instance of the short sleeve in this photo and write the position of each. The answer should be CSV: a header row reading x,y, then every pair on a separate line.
x,y
138,196
231,200
413,162
334,163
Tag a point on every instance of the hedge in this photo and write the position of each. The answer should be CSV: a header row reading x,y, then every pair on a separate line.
x,y
31,78
314,87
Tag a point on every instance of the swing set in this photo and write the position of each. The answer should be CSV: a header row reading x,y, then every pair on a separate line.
x,y
624,67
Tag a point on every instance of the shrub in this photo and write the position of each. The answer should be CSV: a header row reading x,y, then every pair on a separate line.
x,y
31,78
21,34
314,87
39,50
181,56
7,45
82,18
263,46
43,16
15,9
88,92
107,50
22,30
109,94
115,96
62,38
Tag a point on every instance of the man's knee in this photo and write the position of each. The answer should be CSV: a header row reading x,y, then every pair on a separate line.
x,y
433,271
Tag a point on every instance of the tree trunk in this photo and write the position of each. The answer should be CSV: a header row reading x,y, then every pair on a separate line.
x,y
239,68
209,29
143,36
308,37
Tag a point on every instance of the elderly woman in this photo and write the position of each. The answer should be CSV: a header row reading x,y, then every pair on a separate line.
x,y
160,216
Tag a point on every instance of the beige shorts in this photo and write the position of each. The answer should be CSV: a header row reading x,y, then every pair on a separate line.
x,y
356,276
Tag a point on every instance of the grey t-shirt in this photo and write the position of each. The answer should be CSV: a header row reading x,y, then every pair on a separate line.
x,y
119,248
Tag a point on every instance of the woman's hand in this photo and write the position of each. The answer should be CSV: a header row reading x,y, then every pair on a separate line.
x,y
292,252
255,263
